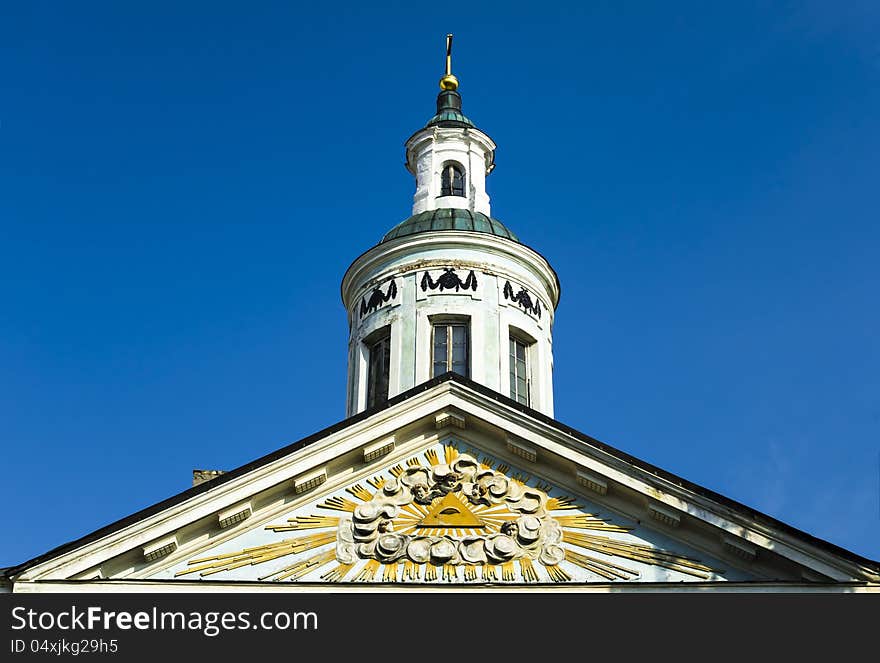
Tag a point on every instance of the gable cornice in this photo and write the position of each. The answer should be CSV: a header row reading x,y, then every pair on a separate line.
x,y
423,403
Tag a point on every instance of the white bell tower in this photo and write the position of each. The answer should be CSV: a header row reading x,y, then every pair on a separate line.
x,y
450,158
450,288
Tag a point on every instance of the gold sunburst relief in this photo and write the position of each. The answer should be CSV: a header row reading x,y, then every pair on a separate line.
x,y
446,516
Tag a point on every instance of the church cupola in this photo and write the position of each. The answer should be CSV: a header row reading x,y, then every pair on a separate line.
x,y
450,288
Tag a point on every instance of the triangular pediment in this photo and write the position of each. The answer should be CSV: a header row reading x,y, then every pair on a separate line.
x,y
449,513
450,483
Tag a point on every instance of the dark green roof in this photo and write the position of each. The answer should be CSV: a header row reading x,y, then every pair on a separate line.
x,y
449,219
449,111
450,118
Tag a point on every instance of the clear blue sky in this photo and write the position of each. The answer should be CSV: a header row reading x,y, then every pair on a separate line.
x,y
182,186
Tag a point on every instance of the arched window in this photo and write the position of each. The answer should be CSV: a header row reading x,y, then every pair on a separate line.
x,y
452,180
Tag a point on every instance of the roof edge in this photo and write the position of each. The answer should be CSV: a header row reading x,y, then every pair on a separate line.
x,y
12,571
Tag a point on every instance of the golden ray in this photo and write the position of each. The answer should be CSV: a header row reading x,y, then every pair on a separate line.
x,y
560,503
411,570
257,554
243,558
292,568
406,516
228,555
600,567
338,573
405,520
305,522
497,517
368,572
418,510
194,569
635,549
230,566
639,553
528,571
402,527
360,492
298,570
497,512
312,541
377,482
495,508
557,574
239,553
589,521
492,527
390,574
338,504
454,516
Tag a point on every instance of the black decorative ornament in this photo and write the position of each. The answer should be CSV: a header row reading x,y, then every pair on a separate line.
x,y
377,298
522,299
449,280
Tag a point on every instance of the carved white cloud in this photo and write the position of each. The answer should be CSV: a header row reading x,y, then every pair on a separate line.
x,y
530,532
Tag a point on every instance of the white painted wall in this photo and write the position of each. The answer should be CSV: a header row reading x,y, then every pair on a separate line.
x,y
426,153
495,261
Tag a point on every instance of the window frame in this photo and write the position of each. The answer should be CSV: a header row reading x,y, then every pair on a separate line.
x,y
515,337
380,337
450,323
458,169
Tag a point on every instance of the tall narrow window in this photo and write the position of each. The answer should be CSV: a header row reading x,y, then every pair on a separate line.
x,y
378,369
451,348
452,180
519,370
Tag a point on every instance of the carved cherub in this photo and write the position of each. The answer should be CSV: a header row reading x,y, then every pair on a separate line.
x,y
448,483
421,494
477,494
385,526
510,528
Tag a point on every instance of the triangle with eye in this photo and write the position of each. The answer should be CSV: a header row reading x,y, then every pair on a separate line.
x,y
449,511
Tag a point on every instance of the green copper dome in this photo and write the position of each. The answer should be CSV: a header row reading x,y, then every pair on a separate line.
x,y
449,111
449,219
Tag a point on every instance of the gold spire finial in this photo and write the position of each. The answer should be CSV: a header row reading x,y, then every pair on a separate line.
x,y
448,82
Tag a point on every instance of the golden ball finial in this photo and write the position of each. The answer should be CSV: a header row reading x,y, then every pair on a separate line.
x,y
449,82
